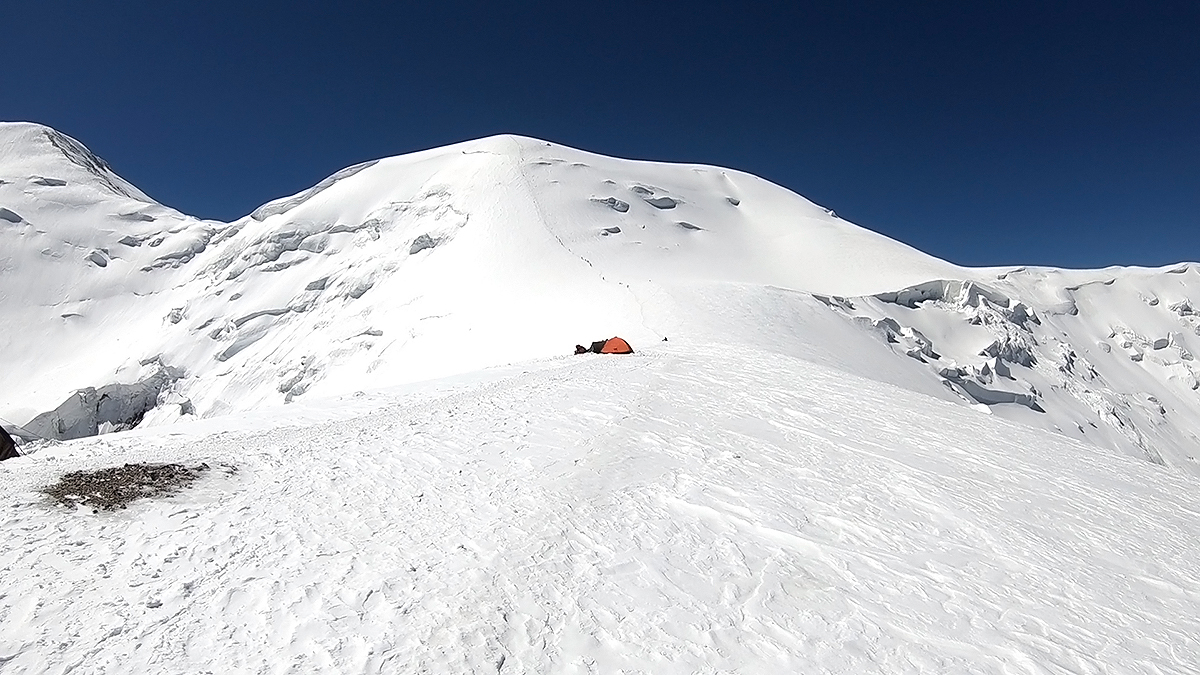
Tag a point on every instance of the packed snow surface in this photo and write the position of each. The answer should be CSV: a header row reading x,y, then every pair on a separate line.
x,y
681,510
830,453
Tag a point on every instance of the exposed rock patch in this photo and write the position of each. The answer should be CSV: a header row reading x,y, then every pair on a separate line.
x,y
116,487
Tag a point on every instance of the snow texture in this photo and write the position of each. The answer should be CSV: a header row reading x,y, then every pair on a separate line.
x,y
697,509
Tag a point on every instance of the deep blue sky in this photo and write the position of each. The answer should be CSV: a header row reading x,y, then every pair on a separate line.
x,y
985,133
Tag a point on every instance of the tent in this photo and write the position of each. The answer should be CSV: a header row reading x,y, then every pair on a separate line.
x,y
8,447
613,345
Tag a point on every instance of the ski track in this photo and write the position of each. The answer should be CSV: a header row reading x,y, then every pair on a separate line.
x,y
666,512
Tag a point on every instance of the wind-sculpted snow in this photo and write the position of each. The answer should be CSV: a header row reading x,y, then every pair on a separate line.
x,y
75,151
288,203
690,509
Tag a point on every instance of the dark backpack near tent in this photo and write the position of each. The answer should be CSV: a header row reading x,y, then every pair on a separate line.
x,y
613,345
8,447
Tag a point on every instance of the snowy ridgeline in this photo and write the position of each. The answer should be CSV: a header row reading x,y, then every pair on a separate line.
x,y
506,249
674,511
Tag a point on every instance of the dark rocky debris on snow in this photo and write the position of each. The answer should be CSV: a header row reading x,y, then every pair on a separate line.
x,y
116,487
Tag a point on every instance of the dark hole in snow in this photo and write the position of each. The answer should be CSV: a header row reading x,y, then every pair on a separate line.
x,y
10,216
360,288
641,191
981,394
422,242
733,201
689,226
662,202
274,311
610,230
139,217
98,259
116,487
613,203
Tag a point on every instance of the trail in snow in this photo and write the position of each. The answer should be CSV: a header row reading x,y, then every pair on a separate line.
x,y
666,512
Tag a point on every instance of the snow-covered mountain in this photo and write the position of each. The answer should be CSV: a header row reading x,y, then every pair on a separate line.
x,y
507,249
846,456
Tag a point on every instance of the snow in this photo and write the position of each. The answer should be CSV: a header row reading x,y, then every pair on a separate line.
x,y
446,253
830,453
1108,356
680,510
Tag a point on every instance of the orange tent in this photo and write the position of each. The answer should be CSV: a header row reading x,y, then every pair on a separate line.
x,y
616,345
613,345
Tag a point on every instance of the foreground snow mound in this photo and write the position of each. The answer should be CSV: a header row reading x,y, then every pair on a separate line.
x,y
728,511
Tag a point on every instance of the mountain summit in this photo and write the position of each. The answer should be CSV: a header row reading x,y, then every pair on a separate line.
x,y
506,249
48,158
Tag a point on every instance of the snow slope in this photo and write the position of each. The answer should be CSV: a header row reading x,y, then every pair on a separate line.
x,y
669,512
411,267
849,456
85,266
506,249
1105,356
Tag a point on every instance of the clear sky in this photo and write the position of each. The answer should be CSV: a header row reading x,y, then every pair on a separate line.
x,y
987,133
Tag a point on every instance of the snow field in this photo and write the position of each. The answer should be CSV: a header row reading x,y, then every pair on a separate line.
x,y
693,508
